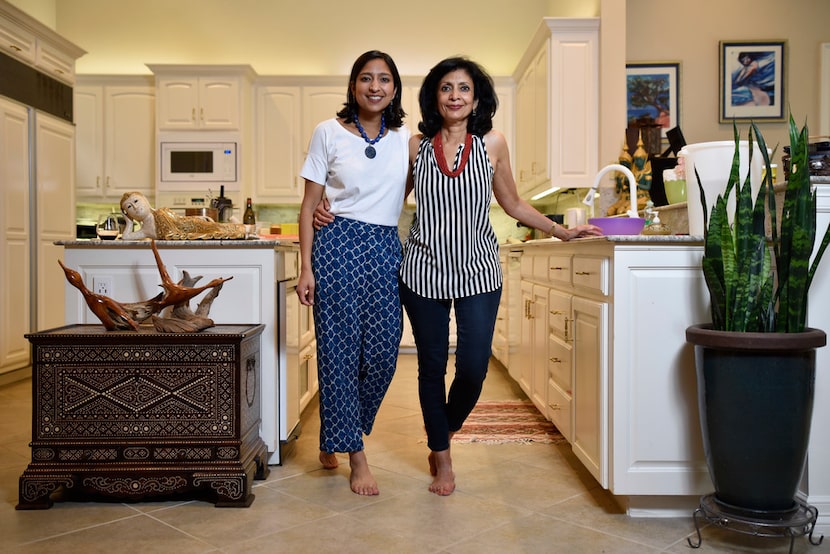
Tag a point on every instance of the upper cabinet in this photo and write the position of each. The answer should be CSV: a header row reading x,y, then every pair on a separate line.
x,y
557,106
201,97
115,137
33,43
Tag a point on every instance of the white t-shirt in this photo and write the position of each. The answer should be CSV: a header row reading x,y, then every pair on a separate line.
x,y
360,188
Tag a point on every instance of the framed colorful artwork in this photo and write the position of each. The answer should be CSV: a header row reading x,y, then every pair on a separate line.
x,y
652,92
752,80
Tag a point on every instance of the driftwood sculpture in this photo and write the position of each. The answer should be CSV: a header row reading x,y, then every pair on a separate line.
x,y
127,316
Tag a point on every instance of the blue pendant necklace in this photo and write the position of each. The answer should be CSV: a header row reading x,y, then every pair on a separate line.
x,y
370,150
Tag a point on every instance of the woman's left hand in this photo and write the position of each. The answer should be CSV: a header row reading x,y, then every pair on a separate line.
x,y
579,231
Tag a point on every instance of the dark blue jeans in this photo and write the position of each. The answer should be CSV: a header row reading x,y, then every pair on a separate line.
x,y
475,318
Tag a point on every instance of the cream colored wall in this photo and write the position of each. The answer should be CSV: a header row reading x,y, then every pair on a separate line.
x,y
690,32
295,38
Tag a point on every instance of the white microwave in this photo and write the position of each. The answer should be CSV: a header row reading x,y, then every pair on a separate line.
x,y
192,164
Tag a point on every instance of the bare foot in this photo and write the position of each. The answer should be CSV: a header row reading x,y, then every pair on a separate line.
x,y
361,479
444,482
329,460
433,469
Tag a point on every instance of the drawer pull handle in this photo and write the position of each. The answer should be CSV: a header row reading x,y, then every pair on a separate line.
x,y
557,312
15,47
584,273
559,268
555,406
307,357
556,360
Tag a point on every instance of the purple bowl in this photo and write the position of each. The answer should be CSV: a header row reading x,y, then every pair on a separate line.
x,y
619,225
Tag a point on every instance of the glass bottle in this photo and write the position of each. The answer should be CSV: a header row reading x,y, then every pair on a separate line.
x,y
249,219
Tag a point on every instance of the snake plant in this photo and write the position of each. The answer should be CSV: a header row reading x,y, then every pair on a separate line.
x,y
757,283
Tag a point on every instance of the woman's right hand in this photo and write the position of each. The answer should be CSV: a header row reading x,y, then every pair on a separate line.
x,y
305,288
322,215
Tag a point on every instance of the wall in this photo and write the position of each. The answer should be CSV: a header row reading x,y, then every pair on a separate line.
x,y
690,32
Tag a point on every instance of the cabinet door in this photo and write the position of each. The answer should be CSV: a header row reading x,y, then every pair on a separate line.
x,y
524,132
590,390
319,104
524,363
541,118
541,330
55,141
129,161
277,145
89,140
14,236
219,103
178,100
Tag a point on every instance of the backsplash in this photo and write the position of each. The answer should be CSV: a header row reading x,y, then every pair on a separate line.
x,y
266,214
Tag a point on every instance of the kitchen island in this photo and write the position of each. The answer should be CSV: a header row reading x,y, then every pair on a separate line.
x,y
126,271
603,355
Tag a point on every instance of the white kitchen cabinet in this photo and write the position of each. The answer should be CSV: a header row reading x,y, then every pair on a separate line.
x,y
590,388
277,145
31,282
320,102
14,236
37,181
55,213
250,297
35,44
115,123
633,404
198,103
533,357
557,106
210,97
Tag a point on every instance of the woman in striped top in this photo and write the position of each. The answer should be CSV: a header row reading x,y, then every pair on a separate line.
x,y
451,256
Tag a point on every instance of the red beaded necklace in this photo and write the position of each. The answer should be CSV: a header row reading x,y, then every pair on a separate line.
x,y
438,148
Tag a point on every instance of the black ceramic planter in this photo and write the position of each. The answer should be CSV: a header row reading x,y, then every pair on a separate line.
x,y
755,395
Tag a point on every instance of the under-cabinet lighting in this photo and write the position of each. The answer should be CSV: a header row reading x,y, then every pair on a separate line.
x,y
545,193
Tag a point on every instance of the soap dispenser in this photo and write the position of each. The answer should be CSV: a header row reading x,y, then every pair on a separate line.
x,y
655,226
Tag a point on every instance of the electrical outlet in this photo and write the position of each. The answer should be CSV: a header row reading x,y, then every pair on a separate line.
x,y
102,284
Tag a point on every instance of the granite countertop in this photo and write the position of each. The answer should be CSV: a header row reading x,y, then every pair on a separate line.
x,y
648,239
97,243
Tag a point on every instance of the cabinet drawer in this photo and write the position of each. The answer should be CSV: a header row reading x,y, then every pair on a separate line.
x,y
540,268
559,409
559,363
591,273
559,313
559,269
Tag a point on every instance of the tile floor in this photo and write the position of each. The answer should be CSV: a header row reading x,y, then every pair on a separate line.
x,y
510,498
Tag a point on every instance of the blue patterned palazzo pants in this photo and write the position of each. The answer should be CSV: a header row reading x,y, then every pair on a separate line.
x,y
357,318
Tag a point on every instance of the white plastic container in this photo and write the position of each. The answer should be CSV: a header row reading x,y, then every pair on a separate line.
x,y
713,161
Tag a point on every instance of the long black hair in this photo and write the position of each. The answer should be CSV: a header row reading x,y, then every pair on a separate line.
x,y
393,113
481,120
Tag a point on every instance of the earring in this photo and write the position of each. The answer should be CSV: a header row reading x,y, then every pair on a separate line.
x,y
474,112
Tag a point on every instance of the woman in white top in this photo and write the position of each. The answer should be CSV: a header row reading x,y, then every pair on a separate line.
x,y
349,271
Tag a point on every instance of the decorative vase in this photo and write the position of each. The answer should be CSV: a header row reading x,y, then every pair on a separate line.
x,y
755,396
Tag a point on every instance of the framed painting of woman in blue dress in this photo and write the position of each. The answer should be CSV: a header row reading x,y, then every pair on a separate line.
x,y
752,80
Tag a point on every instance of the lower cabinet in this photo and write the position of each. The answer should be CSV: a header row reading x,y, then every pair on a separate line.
x,y
604,356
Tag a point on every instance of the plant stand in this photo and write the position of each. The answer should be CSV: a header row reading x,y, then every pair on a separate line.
x,y
797,522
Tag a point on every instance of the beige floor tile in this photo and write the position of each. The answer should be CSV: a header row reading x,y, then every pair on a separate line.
x,y
524,498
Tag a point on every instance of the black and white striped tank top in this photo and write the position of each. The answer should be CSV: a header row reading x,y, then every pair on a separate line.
x,y
452,250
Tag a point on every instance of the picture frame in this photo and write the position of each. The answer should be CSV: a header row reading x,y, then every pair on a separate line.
x,y
752,80
653,90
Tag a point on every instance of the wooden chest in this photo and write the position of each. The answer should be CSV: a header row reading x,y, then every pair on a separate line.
x,y
144,415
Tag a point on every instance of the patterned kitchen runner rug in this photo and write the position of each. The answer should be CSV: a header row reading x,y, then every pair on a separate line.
x,y
505,421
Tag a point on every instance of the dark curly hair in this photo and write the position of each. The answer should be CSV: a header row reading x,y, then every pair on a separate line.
x,y
394,112
481,120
